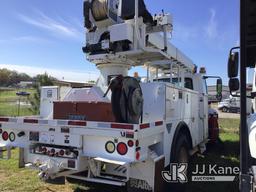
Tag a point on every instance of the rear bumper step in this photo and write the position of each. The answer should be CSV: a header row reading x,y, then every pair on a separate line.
x,y
98,180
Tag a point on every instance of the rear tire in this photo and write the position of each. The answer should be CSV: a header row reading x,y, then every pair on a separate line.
x,y
181,150
179,154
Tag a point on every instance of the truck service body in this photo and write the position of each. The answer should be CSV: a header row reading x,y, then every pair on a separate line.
x,y
132,150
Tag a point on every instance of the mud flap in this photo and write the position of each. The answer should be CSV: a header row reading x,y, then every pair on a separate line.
x,y
138,185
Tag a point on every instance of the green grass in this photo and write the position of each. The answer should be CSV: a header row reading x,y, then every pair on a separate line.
x,y
14,179
224,153
229,125
9,103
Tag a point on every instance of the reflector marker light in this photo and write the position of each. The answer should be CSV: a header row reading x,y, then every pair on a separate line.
x,y
12,137
159,123
137,155
77,123
121,126
4,119
144,126
32,121
130,143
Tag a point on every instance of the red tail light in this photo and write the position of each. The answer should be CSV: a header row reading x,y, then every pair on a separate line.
x,y
61,152
137,155
122,149
5,136
130,143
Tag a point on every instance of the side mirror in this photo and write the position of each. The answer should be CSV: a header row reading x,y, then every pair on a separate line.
x,y
233,63
219,89
234,84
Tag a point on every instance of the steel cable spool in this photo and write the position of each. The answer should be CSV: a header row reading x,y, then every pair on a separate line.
x,y
99,9
127,101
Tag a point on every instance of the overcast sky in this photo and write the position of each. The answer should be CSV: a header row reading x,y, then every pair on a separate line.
x,y
48,35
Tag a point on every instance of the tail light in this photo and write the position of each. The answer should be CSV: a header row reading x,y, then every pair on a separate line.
x,y
130,143
122,149
5,136
61,152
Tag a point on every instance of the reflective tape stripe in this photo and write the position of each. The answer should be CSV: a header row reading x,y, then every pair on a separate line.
x,y
121,126
144,126
3,119
159,123
77,123
32,121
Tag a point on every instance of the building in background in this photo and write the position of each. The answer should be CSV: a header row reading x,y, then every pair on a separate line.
x,y
26,84
73,84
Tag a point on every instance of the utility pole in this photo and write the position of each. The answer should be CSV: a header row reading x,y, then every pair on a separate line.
x,y
247,59
245,178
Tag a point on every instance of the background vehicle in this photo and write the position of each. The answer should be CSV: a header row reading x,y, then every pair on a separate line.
x,y
230,105
120,132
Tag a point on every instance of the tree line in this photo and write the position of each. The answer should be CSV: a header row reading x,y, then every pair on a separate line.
x,y
9,78
12,78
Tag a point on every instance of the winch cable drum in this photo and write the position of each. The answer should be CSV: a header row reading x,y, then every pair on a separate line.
x,y
99,9
126,99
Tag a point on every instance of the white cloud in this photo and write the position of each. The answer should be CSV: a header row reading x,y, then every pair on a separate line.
x,y
57,26
59,74
25,39
212,25
185,33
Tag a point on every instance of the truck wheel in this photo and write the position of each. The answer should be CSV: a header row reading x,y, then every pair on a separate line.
x,y
181,150
179,154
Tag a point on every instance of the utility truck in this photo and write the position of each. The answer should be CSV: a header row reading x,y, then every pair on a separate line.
x,y
120,132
